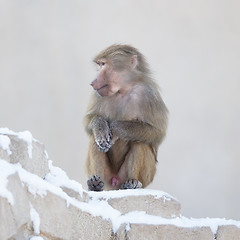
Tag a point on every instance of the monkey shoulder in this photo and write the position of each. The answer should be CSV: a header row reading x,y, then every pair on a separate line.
x,y
142,104
145,96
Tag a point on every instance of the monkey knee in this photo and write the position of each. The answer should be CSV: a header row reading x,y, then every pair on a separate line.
x,y
141,163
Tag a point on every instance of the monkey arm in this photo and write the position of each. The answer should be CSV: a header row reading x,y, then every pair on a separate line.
x,y
97,123
136,131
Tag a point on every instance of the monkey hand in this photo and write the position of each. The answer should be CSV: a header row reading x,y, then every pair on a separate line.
x,y
103,138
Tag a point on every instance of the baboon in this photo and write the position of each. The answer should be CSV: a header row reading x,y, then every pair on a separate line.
x,y
126,121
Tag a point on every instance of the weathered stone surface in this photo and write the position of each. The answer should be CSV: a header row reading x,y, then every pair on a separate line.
x,y
54,215
164,232
7,222
229,232
68,222
14,216
21,207
164,207
23,233
86,226
71,193
37,163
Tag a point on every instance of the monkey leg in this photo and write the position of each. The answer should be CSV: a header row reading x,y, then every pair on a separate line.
x,y
97,166
140,165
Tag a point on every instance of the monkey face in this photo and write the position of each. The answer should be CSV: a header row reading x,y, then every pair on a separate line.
x,y
108,81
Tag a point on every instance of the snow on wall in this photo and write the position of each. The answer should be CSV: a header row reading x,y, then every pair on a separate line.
x,y
98,201
97,206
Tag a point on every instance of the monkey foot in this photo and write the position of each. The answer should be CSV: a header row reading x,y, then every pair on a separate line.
x,y
95,183
132,184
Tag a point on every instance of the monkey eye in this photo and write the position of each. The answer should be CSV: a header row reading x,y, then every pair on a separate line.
x,y
101,63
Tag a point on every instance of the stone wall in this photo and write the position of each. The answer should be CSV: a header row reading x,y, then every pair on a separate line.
x,y
38,201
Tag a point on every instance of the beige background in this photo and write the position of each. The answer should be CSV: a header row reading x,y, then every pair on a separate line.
x,y
193,47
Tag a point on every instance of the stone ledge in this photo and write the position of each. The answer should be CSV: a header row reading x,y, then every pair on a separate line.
x,y
229,232
165,206
57,208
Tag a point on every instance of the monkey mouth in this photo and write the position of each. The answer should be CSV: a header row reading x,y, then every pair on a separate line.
x,y
102,87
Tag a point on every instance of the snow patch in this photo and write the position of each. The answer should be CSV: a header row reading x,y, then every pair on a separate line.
x,y
35,219
27,137
7,131
36,238
130,192
5,171
59,178
140,217
5,143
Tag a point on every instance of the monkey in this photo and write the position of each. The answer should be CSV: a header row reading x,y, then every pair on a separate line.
x,y
126,121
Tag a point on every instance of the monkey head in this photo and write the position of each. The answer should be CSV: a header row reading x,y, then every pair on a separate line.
x,y
117,67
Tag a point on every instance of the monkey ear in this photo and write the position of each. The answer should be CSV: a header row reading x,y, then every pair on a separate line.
x,y
134,61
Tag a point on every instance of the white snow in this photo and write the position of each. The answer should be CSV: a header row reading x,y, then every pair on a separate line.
x,y
5,143
139,217
130,192
5,170
35,220
36,238
7,131
59,178
27,137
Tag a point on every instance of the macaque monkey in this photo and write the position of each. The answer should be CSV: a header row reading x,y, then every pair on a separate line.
x,y
126,121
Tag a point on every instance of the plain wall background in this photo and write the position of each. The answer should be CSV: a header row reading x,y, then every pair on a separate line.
x,y
193,47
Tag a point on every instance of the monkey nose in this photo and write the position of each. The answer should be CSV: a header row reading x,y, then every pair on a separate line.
x,y
92,83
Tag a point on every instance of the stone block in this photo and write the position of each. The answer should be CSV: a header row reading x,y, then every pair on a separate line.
x,y
21,207
86,226
60,221
14,216
164,207
32,156
164,232
72,193
23,233
229,232
7,222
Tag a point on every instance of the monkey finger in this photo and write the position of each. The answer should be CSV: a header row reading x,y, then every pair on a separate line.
x,y
109,141
104,148
101,149
110,134
108,138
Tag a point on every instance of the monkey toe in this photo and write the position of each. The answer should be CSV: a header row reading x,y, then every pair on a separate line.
x,y
95,183
132,184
